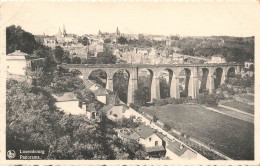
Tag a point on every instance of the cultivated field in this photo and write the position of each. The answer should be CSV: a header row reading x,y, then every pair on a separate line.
x,y
233,137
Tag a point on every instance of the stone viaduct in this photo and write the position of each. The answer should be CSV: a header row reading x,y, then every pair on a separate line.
x,y
198,76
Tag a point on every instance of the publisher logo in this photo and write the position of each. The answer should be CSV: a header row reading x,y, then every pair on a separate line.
x,y
11,154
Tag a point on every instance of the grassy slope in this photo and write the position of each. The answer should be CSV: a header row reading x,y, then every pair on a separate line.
x,y
233,137
240,106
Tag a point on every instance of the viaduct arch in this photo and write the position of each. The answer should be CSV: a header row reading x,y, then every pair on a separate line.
x,y
198,76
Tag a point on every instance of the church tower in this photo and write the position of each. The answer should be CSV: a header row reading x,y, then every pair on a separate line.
x,y
60,33
64,30
117,32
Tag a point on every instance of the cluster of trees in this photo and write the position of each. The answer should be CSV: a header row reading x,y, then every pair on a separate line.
x,y
235,49
122,40
33,122
145,43
64,80
18,39
85,41
238,80
170,100
120,83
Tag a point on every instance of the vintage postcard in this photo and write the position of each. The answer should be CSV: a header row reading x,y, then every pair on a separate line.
x,y
146,83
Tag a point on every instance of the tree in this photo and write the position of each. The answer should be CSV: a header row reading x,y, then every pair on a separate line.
x,y
18,39
164,88
141,94
120,80
59,53
76,60
107,40
122,40
85,41
105,58
91,60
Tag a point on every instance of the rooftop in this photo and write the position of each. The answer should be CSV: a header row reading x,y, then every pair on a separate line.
x,y
67,96
154,149
175,147
17,53
106,108
218,55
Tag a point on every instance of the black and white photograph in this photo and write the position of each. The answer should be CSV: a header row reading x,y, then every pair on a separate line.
x,y
129,80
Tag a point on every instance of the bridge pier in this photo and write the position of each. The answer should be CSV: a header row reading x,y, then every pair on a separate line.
x,y
210,83
109,84
223,78
195,86
132,85
155,88
175,89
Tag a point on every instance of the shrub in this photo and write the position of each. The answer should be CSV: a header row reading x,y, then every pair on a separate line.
x,y
135,106
155,118
164,101
159,103
172,100
220,96
166,127
231,91
208,100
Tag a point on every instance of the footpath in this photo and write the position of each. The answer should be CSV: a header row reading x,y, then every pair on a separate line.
x,y
232,112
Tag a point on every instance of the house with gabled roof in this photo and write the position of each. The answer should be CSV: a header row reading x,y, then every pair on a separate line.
x,y
152,142
217,58
68,103
176,150
115,112
16,62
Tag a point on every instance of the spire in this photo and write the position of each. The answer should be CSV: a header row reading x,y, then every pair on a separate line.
x,y
99,32
117,31
64,30
60,31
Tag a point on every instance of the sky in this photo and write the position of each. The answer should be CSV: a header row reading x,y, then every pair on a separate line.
x,y
162,18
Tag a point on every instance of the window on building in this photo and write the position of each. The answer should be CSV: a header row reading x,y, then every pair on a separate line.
x,y
150,139
156,143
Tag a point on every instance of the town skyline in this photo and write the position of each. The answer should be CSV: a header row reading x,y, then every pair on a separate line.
x,y
133,18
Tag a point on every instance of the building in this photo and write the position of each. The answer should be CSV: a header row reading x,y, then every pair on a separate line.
x,y
99,48
249,64
92,112
176,150
101,93
33,63
16,62
68,103
217,58
50,42
153,144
